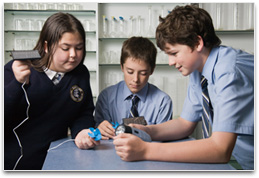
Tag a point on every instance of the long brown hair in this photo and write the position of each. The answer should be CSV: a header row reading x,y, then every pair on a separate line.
x,y
55,26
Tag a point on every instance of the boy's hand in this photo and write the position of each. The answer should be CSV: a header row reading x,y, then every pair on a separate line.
x,y
106,130
84,141
130,147
21,70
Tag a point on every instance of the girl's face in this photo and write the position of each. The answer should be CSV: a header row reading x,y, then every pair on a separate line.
x,y
68,54
184,58
136,74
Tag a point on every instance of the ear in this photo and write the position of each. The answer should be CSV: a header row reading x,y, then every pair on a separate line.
x,y
200,44
46,46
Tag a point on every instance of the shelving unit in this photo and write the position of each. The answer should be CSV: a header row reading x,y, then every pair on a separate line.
x,y
165,77
103,48
23,23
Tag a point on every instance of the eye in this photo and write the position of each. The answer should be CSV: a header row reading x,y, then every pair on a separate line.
x,y
65,49
79,48
173,54
143,73
129,71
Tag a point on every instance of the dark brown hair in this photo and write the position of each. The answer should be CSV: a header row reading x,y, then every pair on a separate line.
x,y
139,48
183,26
55,26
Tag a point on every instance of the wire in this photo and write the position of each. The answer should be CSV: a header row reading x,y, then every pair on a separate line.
x,y
27,117
16,135
61,144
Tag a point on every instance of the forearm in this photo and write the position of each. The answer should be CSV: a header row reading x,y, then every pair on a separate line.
x,y
212,150
172,130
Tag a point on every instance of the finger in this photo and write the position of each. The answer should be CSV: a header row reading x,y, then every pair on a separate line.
x,y
111,129
120,139
105,138
107,134
122,154
131,125
85,143
123,135
27,79
23,64
106,131
95,142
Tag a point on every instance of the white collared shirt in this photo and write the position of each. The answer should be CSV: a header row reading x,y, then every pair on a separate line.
x,y
51,74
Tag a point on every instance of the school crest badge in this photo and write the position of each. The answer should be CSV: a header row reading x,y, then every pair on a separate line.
x,y
76,93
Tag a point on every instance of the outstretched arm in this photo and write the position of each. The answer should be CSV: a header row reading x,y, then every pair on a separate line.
x,y
216,149
171,130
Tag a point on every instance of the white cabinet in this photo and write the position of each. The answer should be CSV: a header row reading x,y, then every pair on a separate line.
x,y
107,25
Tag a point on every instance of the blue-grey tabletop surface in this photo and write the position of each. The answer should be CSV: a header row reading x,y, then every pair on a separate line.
x,y
103,157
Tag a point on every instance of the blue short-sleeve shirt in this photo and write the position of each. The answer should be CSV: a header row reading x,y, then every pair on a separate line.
x,y
114,104
230,75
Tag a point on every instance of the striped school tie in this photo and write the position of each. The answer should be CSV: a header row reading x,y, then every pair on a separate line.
x,y
207,110
56,79
134,110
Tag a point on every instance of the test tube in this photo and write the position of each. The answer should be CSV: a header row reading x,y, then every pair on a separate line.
x,y
121,27
19,24
105,27
150,31
131,28
139,26
113,27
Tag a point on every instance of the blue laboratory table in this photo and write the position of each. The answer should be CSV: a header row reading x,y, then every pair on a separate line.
x,y
104,157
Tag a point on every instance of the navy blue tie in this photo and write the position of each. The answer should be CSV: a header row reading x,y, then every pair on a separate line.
x,y
207,110
134,107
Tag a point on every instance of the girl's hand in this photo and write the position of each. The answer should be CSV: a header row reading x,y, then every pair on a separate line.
x,y
130,147
21,70
84,141
106,130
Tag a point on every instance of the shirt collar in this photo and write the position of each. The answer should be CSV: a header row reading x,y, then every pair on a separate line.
x,y
142,94
209,64
51,74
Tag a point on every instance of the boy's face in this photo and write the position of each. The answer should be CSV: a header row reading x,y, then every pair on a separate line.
x,y
68,54
184,58
136,74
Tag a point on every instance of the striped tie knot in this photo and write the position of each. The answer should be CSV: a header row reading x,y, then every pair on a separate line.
x,y
134,108
56,78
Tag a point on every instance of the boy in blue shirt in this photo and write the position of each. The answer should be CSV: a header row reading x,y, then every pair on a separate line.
x,y
138,60
187,35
